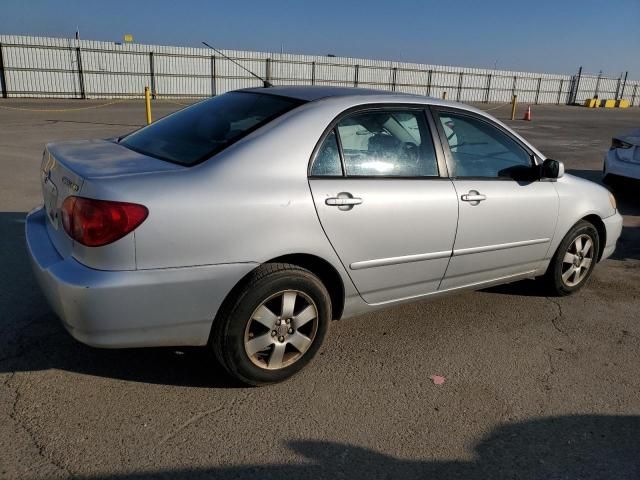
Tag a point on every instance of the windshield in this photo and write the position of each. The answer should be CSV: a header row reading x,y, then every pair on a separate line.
x,y
194,134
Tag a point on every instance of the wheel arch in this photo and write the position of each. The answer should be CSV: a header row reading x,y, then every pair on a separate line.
x,y
597,222
327,274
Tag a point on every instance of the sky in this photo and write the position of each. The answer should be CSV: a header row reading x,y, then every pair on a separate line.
x,y
537,36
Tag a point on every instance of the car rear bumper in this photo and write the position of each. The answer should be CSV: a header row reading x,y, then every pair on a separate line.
x,y
134,308
613,225
614,166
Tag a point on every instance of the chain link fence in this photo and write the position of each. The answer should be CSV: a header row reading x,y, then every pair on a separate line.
x,y
70,68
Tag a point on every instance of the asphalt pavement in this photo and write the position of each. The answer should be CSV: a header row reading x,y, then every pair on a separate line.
x,y
534,387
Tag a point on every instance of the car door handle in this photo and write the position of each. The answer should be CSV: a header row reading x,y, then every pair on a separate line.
x,y
339,202
474,197
344,201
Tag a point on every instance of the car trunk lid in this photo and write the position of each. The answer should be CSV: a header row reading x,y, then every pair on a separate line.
x,y
68,167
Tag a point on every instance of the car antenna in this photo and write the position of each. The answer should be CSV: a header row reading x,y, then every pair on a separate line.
x,y
265,83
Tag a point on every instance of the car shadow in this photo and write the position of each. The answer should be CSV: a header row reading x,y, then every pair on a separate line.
x,y
565,447
32,338
523,288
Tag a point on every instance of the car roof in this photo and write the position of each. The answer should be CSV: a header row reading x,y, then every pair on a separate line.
x,y
357,96
312,93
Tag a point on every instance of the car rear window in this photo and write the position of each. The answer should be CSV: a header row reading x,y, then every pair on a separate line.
x,y
195,133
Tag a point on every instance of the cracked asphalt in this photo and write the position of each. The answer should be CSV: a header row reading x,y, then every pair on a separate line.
x,y
535,387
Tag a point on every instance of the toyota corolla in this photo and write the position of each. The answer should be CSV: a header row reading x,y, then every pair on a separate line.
x,y
248,221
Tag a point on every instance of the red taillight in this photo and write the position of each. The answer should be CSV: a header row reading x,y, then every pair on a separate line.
x,y
99,222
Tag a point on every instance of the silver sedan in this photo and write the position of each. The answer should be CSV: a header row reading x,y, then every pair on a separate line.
x,y
248,221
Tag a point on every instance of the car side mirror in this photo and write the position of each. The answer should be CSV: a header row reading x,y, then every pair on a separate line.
x,y
551,168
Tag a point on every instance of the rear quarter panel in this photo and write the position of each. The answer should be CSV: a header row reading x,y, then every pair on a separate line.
x,y
250,203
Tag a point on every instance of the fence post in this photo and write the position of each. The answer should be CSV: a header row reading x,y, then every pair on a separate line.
x,y
214,86
574,96
459,86
513,87
152,72
560,91
83,94
313,73
355,76
486,98
394,73
3,77
597,84
618,87
429,82
624,84
538,90
267,70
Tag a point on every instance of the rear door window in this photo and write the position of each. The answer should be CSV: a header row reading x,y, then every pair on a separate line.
x,y
194,134
387,144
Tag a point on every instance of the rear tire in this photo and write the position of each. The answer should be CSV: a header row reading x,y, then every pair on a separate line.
x,y
574,260
273,324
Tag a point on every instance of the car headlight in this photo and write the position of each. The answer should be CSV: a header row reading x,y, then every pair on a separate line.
x,y
612,200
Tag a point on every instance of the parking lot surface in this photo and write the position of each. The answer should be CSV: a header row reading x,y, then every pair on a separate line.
x,y
534,387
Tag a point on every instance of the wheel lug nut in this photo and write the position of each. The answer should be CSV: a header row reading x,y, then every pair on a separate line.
x,y
288,321
290,330
281,339
278,322
274,333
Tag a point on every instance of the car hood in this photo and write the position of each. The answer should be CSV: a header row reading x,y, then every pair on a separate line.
x,y
105,158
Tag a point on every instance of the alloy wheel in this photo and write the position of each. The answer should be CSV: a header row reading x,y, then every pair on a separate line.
x,y
577,260
281,330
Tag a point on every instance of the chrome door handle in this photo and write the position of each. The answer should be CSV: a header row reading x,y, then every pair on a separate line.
x,y
337,202
344,201
474,197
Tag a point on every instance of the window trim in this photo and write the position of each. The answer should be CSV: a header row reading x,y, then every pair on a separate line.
x,y
377,107
437,110
315,155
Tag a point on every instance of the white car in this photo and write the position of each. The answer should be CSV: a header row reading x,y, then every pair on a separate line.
x,y
623,158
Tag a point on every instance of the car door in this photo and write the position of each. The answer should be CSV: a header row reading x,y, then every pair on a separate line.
x,y
507,215
389,214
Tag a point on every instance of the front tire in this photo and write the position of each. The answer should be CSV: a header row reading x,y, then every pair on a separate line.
x,y
273,325
574,260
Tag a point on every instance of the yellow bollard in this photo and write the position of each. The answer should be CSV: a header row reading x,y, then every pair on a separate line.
x,y
444,95
147,103
513,107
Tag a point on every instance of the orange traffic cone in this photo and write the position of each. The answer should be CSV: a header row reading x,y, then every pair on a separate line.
x,y
527,114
